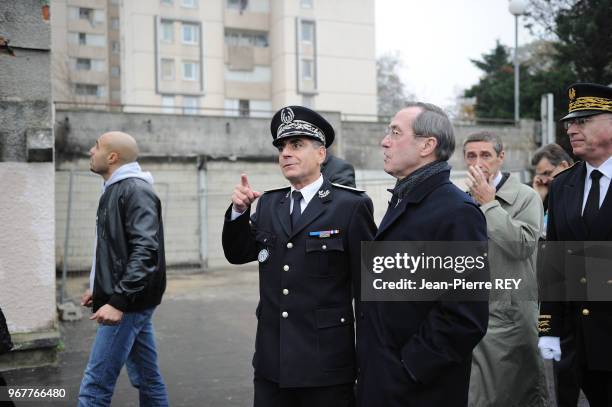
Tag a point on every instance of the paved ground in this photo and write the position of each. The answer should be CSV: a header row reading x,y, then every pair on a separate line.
x,y
205,330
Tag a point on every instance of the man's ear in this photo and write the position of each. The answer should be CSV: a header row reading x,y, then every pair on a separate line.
x,y
113,158
502,154
429,146
322,154
564,164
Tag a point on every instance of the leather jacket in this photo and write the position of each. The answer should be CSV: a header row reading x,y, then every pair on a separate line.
x,y
130,269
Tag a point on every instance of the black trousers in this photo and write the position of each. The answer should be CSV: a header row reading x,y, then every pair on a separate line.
x,y
269,394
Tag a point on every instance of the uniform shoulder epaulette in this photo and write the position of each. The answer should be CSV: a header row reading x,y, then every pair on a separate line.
x,y
277,189
568,168
348,188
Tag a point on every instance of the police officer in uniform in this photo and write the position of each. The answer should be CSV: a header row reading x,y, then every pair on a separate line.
x,y
578,332
306,238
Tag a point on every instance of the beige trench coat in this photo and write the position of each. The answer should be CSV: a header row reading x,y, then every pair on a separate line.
x,y
507,369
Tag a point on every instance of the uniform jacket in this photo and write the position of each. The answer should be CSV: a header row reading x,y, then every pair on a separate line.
x,y
305,334
338,171
507,369
584,327
431,340
130,261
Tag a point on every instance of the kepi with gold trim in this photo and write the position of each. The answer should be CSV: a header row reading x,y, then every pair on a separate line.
x,y
588,99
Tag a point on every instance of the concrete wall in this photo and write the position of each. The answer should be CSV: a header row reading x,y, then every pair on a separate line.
x,y
27,278
196,161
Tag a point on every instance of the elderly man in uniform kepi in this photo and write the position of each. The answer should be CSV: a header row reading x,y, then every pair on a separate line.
x,y
575,318
306,238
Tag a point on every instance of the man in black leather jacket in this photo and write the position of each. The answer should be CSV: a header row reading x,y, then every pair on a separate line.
x,y
128,276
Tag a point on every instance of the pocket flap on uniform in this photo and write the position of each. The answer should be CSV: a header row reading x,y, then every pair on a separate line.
x,y
324,245
329,317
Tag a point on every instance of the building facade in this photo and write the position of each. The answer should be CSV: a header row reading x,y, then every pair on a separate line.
x,y
217,57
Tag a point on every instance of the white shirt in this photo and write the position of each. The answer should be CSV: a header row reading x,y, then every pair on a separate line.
x,y
604,181
497,179
308,192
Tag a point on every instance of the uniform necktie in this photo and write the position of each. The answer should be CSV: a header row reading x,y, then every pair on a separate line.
x,y
297,210
592,204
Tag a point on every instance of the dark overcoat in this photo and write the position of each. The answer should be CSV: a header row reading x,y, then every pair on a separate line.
x,y
430,341
305,330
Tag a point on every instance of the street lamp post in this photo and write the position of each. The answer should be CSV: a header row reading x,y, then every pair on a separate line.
x,y
517,8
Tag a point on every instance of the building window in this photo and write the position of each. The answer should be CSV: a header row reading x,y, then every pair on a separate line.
x,y
306,3
168,104
307,32
190,3
115,47
190,71
115,23
190,34
167,31
85,89
190,105
234,4
243,108
86,13
167,69
95,40
115,71
83,64
246,38
307,69
166,2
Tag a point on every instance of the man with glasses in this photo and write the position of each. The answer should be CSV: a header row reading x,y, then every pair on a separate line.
x,y
573,329
548,161
419,353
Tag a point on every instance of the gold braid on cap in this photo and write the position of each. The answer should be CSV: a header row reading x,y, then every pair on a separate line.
x,y
591,103
298,128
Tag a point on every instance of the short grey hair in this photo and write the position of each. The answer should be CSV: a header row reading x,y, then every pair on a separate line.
x,y
434,122
554,153
488,137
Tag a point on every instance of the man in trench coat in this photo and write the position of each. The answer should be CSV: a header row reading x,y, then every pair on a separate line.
x,y
506,367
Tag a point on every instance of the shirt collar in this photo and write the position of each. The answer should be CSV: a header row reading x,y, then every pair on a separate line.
x,y
310,190
605,169
497,179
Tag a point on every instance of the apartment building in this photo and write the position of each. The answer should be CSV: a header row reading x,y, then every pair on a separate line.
x,y
230,57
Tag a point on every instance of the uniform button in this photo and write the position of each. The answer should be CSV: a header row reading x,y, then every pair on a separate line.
x,y
285,291
324,247
285,314
289,245
586,312
342,320
543,246
609,282
286,267
569,251
583,280
361,315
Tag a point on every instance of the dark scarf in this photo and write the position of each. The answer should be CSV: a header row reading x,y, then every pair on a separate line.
x,y
405,185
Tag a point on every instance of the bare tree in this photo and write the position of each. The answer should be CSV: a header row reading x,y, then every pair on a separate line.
x,y
392,93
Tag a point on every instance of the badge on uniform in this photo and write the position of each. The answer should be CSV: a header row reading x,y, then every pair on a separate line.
x,y
324,233
263,255
323,194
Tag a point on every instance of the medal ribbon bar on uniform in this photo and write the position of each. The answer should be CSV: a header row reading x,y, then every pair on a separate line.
x,y
324,233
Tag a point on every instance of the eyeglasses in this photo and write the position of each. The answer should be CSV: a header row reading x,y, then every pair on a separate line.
x,y
395,133
580,121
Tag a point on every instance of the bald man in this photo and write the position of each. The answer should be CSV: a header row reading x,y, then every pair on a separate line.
x,y
128,276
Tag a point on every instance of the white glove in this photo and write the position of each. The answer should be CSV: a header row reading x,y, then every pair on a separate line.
x,y
550,347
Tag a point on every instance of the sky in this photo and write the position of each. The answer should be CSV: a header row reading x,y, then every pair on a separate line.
x,y
437,38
